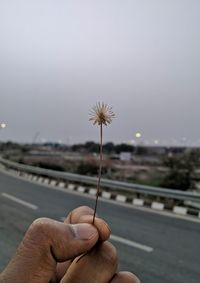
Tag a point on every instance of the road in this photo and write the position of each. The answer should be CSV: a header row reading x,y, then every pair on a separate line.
x,y
157,248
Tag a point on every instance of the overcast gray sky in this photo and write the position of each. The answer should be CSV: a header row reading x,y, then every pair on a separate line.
x,y
59,57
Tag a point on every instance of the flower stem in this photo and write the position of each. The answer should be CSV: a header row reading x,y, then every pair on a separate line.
x,y
100,169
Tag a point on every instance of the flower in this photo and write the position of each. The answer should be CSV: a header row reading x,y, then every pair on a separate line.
x,y
101,113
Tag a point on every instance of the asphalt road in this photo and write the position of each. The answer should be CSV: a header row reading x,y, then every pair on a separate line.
x,y
157,248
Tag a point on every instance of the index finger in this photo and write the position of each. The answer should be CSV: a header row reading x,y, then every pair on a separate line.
x,y
127,277
84,214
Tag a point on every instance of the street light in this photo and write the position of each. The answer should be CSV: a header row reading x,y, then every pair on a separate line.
x,y
138,135
156,142
3,125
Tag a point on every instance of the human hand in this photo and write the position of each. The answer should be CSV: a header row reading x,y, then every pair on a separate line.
x,y
49,248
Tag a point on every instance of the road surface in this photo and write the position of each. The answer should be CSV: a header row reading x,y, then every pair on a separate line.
x,y
157,248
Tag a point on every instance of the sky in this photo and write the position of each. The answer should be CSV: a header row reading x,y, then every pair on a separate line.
x,y
58,58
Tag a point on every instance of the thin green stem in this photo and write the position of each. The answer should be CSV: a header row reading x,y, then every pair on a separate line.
x,y
100,169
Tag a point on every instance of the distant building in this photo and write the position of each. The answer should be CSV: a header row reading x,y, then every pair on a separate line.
x,y
125,156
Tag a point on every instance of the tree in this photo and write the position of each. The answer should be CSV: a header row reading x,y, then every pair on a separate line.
x,y
109,147
91,146
87,168
123,147
181,170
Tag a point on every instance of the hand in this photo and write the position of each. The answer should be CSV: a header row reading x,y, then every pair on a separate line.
x,y
49,249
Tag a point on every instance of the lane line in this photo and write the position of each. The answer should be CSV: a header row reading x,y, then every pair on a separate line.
x,y
126,242
131,243
20,201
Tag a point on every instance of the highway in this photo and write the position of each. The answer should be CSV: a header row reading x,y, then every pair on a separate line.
x,y
157,248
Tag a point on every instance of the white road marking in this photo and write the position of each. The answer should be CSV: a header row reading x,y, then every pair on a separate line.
x,y
126,241
20,201
131,243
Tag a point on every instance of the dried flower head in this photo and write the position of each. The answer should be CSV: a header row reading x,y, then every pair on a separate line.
x,y
101,113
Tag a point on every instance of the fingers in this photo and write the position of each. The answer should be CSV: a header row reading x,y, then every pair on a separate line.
x,y
74,215
127,277
84,214
64,240
99,265
45,243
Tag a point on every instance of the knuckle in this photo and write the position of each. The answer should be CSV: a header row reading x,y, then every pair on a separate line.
x,y
86,208
125,276
131,277
39,228
39,224
109,253
35,235
79,212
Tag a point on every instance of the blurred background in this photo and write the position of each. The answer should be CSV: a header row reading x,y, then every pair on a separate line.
x,y
57,60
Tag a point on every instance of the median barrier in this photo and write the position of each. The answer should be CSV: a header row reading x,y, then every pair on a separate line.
x,y
114,189
53,182
61,184
93,192
180,210
81,189
121,198
106,195
71,187
138,202
157,205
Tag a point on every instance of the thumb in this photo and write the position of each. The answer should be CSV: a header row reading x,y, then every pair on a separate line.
x,y
63,241
46,243
74,240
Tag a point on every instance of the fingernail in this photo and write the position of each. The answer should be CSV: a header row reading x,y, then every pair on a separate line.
x,y
84,231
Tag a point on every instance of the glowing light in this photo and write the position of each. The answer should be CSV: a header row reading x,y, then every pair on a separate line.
x,y
138,135
3,125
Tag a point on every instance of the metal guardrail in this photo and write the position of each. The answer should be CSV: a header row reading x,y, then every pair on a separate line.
x,y
114,185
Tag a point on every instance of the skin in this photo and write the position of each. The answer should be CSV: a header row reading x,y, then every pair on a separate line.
x,y
71,252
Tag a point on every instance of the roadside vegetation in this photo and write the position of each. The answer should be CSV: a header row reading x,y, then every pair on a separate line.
x,y
175,168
